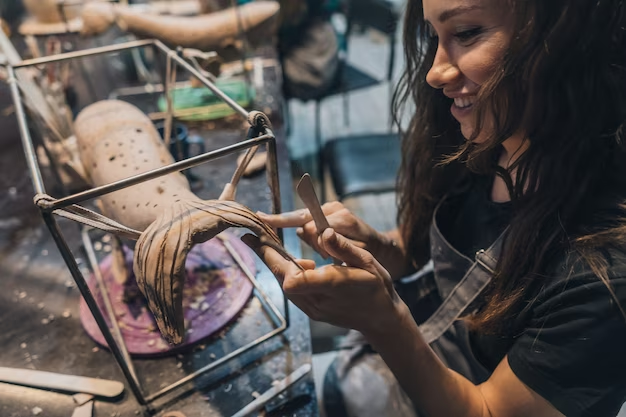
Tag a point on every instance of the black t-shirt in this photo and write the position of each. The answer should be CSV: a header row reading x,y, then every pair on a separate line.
x,y
572,349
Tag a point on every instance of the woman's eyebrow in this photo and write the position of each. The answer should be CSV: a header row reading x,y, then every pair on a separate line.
x,y
450,13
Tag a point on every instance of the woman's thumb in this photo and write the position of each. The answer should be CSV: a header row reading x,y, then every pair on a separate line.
x,y
341,248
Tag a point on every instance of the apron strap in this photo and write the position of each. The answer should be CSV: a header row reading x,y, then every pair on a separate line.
x,y
464,293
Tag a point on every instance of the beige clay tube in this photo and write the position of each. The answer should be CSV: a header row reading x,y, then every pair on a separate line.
x,y
205,32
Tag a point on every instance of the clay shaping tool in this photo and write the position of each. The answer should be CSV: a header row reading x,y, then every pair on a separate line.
x,y
62,382
306,191
271,393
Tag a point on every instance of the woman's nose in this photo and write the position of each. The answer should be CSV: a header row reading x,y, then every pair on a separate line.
x,y
443,71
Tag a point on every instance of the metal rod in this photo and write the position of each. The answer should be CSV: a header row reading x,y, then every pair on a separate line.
x,y
215,364
91,256
136,91
27,142
232,103
170,77
286,305
274,183
276,318
273,392
158,172
88,52
69,259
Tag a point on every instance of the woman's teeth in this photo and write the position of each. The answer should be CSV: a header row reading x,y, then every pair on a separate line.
x,y
463,102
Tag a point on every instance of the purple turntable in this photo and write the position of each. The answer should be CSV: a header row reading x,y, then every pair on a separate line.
x,y
215,291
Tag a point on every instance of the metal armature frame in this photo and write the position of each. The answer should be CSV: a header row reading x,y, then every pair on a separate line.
x,y
113,337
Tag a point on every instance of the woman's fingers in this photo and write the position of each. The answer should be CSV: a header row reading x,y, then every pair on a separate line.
x,y
341,248
297,218
308,233
321,281
306,263
276,263
339,218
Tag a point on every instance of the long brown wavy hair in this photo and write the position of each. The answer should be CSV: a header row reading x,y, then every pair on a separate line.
x,y
563,83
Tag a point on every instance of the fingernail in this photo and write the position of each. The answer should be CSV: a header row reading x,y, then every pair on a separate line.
x,y
261,214
299,231
329,234
250,240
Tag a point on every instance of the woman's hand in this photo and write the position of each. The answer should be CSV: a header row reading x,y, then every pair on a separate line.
x,y
345,223
339,218
358,296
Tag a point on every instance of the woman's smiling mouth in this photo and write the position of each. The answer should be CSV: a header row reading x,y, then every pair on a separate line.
x,y
462,106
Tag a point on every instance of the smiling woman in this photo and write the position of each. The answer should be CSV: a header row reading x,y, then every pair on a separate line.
x,y
513,184
473,40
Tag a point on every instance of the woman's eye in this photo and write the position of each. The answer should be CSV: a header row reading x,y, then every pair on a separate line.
x,y
469,34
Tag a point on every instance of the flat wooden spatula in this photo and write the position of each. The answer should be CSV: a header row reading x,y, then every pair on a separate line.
x,y
61,382
306,191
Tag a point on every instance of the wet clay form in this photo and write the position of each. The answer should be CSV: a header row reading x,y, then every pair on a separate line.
x,y
207,32
52,17
47,17
116,140
48,11
59,11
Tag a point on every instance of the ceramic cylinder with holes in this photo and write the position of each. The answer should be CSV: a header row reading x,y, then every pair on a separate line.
x,y
116,140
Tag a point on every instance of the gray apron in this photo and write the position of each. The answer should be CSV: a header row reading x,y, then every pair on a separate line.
x,y
359,383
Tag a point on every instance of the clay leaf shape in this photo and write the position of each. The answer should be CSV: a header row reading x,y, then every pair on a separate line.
x,y
162,249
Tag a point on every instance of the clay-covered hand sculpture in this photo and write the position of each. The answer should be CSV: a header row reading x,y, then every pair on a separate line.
x,y
207,32
48,11
116,140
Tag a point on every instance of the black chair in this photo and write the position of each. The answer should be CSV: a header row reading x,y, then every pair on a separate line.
x,y
362,163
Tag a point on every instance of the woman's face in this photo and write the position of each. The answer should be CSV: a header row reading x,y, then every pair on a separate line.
x,y
472,37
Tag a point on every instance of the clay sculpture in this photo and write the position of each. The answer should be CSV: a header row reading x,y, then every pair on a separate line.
x,y
207,32
116,140
48,11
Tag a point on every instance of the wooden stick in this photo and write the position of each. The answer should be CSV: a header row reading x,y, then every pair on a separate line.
x,y
271,393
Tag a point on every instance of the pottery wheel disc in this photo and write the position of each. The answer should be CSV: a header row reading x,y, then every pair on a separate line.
x,y
215,292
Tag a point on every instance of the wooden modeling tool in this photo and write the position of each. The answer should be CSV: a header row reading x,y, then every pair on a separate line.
x,y
271,393
62,382
306,191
